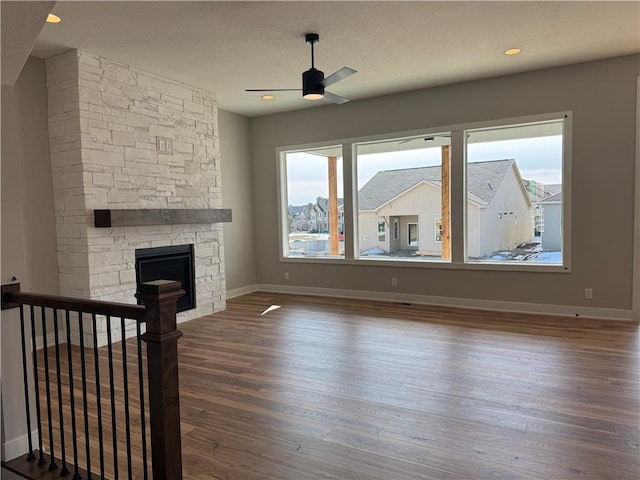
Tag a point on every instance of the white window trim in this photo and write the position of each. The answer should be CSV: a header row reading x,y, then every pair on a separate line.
x,y
417,244
458,189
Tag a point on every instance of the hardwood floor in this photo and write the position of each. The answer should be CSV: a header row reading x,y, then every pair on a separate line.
x,y
344,389
329,388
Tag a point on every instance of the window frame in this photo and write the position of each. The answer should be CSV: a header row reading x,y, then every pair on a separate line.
x,y
417,229
458,229
437,230
382,235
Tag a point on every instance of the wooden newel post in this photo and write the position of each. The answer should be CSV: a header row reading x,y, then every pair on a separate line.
x,y
159,298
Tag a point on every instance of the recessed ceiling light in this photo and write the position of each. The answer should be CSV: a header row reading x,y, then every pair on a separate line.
x,y
51,18
268,97
512,51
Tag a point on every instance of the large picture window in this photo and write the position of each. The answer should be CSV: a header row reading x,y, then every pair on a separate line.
x,y
514,193
484,195
403,181
313,199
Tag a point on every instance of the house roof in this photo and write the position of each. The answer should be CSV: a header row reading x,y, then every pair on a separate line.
x,y
295,209
553,188
556,197
483,181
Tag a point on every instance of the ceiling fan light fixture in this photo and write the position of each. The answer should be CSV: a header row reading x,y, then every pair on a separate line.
x,y
312,87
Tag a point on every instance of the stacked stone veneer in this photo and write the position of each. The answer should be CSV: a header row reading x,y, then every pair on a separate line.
x,y
104,118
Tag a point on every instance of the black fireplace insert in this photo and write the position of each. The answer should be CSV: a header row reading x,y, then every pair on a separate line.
x,y
175,262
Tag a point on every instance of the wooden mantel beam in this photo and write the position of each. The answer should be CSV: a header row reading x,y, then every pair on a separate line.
x,y
159,216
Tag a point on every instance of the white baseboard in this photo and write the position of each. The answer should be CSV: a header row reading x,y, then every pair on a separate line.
x,y
515,307
18,446
236,292
51,339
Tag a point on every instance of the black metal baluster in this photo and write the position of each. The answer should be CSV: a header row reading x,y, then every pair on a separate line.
x,y
41,459
30,456
72,401
127,418
84,394
113,400
52,463
142,420
98,399
64,471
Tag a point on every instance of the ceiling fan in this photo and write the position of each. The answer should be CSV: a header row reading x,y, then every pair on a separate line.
x,y
313,80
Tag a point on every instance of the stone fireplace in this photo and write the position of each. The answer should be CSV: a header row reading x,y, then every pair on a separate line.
x,y
123,138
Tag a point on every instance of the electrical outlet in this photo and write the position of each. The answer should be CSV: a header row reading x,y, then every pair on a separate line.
x,y
286,275
588,293
164,145
394,282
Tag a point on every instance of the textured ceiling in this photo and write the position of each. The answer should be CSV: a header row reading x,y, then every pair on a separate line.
x,y
226,47
21,23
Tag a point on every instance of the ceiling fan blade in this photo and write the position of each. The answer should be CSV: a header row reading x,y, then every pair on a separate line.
x,y
344,72
426,139
273,90
332,97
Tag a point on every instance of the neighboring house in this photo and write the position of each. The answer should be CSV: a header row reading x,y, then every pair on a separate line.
x,y
401,209
314,217
537,192
551,237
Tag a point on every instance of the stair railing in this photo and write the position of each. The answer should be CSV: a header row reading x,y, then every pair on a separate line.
x,y
79,428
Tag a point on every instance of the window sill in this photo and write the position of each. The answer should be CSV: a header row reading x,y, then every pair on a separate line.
x,y
433,264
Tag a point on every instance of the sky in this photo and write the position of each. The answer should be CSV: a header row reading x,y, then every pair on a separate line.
x,y
538,159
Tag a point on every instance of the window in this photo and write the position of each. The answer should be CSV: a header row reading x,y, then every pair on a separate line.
x,y
482,196
438,230
515,172
382,229
402,179
313,197
412,234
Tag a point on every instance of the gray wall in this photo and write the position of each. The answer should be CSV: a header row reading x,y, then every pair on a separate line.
x,y
36,180
239,238
12,264
602,97
28,224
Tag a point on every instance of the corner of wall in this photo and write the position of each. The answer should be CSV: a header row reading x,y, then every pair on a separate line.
x,y
636,248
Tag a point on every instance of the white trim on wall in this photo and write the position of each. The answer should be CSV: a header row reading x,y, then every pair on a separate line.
x,y
514,307
16,447
635,284
237,292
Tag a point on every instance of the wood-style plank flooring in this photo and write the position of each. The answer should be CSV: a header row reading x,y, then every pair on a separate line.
x,y
330,388
326,388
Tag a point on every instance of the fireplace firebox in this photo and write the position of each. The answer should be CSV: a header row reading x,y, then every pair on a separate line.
x,y
169,263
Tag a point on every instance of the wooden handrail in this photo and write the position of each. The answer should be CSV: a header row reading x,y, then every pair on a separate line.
x,y
13,297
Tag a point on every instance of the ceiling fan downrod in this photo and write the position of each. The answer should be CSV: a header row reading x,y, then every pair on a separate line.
x,y
312,79
312,39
